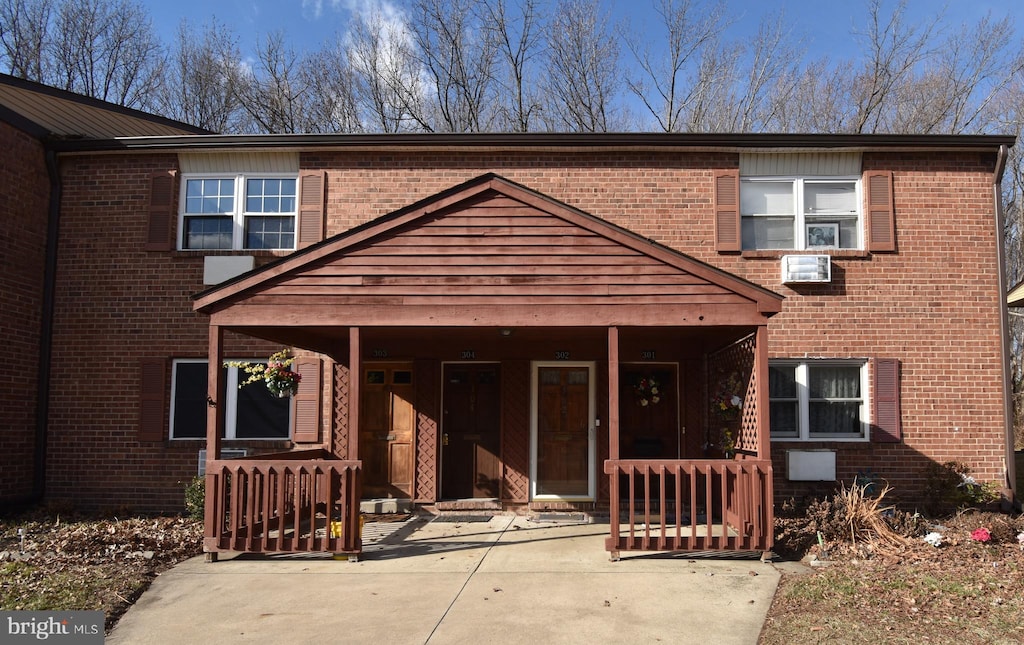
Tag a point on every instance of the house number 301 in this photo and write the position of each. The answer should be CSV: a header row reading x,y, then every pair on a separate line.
x,y
647,355
562,356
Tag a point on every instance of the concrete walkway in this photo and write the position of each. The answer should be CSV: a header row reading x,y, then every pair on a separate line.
x,y
506,580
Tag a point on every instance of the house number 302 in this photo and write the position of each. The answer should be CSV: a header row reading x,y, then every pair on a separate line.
x,y
562,356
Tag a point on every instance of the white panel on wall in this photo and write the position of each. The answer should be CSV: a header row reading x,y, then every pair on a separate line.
x,y
218,268
802,164
238,162
811,465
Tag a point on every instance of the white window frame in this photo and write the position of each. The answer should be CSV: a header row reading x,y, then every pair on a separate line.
x,y
230,403
804,432
239,213
800,211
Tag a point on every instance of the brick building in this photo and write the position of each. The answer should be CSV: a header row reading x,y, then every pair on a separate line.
x,y
524,322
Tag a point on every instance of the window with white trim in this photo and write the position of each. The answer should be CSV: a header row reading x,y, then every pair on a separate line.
x,y
241,212
801,213
249,413
818,400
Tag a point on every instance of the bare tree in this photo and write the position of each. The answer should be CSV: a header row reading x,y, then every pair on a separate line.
x,y
24,26
692,30
332,85
389,85
582,76
458,55
893,51
273,91
105,49
200,85
518,39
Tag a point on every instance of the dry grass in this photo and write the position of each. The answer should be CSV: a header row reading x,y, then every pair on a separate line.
x,y
881,583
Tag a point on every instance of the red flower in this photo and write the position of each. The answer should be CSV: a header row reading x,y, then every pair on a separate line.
x,y
981,535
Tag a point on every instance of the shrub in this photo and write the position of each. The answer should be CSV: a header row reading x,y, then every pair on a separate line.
x,y
949,487
195,498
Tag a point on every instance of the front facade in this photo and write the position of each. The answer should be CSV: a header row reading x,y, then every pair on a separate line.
x,y
528,322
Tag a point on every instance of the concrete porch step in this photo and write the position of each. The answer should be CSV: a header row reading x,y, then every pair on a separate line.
x,y
385,505
474,504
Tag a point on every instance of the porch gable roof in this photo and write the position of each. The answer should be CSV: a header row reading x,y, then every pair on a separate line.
x,y
487,252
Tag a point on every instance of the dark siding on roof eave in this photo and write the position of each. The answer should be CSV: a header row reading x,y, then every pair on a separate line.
x,y
546,140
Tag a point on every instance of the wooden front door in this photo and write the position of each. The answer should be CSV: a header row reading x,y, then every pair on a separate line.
x,y
564,432
648,412
471,431
388,428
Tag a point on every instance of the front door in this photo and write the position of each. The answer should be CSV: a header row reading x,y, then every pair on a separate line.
x,y
388,427
563,430
470,431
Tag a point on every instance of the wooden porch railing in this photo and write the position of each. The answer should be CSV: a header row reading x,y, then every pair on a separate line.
x,y
697,505
288,503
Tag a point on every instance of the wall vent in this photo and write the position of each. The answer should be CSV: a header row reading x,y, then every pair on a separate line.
x,y
806,268
225,453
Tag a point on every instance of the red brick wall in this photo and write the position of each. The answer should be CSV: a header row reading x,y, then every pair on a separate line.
x,y
23,212
117,303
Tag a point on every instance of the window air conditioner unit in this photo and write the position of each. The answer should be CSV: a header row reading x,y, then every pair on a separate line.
x,y
806,268
225,453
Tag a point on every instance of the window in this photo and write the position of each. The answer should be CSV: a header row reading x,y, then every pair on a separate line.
x,y
818,400
250,413
241,212
798,214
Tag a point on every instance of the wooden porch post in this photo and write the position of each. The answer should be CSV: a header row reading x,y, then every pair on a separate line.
x,y
761,378
214,431
613,393
355,380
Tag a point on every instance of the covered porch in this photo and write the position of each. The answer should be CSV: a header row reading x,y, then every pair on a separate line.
x,y
492,343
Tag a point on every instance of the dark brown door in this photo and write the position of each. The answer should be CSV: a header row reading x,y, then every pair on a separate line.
x,y
563,431
648,412
471,432
388,428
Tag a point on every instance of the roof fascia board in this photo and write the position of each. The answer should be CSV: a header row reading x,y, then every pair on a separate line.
x,y
552,141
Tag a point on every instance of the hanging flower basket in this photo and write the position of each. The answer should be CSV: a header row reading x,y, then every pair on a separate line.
x,y
276,374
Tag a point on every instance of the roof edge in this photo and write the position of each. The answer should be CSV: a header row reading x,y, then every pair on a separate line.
x,y
637,140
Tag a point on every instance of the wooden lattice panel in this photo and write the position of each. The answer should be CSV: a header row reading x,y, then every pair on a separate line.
x,y
427,413
515,440
731,371
339,420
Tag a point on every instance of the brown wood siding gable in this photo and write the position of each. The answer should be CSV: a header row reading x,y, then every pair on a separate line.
x,y
307,401
160,211
500,251
728,236
881,214
312,192
152,398
886,427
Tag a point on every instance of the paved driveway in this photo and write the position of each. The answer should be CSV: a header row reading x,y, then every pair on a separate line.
x,y
505,580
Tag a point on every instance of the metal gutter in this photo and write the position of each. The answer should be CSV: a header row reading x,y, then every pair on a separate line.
x,y
1009,465
46,329
543,141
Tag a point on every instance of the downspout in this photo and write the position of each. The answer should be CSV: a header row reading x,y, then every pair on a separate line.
x,y
46,330
1009,468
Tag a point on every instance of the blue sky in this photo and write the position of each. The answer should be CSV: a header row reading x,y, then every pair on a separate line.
x,y
825,24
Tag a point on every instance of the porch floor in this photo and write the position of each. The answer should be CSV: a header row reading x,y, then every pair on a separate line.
x,y
509,578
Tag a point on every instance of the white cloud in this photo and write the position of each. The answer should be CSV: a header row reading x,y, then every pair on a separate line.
x,y
314,8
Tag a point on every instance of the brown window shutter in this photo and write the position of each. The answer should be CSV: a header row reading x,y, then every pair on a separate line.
x,y
312,187
727,211
152,402
886,428
161,211
307,401
881,218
